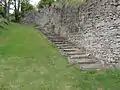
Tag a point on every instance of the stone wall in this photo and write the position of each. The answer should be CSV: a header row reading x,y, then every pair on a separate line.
x,y
94,25
100,25
29,18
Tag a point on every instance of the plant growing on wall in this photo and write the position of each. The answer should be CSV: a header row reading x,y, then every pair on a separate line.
x,y
70,2
43,3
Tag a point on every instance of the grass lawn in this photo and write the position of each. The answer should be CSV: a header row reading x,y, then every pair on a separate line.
x,y
29,62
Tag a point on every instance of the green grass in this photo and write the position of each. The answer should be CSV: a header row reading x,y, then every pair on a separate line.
x,y
29,62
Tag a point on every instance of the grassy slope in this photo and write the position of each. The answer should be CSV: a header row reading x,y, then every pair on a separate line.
x,y
29,62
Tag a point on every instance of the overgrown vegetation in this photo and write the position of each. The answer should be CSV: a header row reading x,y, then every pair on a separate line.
x,y
29,62
20,7
43,3
3,21
71,2
25,7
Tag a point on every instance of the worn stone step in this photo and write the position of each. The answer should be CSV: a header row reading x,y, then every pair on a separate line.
x,y
82,61
75,53
79,56
49,34
67,47
59,42
91,66
70,50
60,46
54,37
64,45
46,32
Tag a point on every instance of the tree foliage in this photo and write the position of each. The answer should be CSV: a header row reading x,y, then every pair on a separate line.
x,y
42,3
3,21
26,6
1,11
4,6
20,6
71,2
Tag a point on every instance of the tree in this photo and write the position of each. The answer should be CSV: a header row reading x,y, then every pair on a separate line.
x,y
42,3
5,8
2,14
26,6
20,7
1,11
17,4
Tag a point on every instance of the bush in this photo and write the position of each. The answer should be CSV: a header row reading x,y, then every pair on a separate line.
x,y
3,21
71,2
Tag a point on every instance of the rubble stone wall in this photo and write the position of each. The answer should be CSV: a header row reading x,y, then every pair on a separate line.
x,y
94,25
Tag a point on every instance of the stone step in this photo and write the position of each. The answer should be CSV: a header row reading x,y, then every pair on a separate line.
x,y
70,50
64,45
47,34
83,61
79,56
50,34
59,42
60,38
67,47
91,66
54,37
75,53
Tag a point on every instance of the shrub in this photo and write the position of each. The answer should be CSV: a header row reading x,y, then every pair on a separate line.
x,y
3,21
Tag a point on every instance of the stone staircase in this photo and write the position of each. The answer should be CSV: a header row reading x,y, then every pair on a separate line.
x,y
76,56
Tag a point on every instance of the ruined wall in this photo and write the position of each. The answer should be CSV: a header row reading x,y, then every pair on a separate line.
x,y
101,23
29,18
94,25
